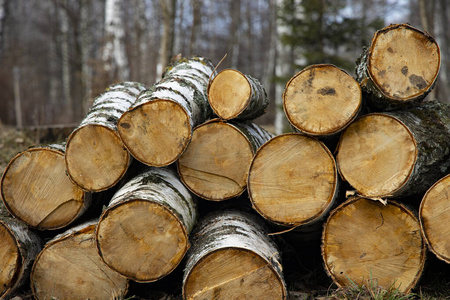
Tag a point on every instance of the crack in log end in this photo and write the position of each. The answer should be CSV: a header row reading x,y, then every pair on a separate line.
x,y
418,81
405,70
382,221
327,91
125,125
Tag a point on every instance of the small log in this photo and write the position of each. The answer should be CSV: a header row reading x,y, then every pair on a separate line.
x,y
158,127
233,95
397,153
18,249
434,213
399,68
36,189
216,162
321,100
233,258
143,233
293,180
365,242
96,159
69,267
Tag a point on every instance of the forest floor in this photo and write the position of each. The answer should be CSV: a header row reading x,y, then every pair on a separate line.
x,y
303,266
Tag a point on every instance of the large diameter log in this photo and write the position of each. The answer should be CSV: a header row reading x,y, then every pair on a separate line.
x,y
293,180
434,213
69,268
396,154
399,68
216,162
158,127
36,189
96,158
233,95
321,100
143,233
18,249
365,241
232,257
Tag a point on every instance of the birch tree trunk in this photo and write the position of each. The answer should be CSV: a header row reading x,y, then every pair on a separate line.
x,y
144,232
399,68
158,127
365,241
397,153
86,50
434,213
233,258
65,58
36,189
166,49
293,180
69,266
196,26
216,162
18,249
233,95
95,156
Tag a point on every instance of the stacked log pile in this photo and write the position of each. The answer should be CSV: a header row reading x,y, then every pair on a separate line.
x,y
197,147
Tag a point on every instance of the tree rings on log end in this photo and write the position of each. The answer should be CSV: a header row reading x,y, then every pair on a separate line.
x,y
141,239
36,189
156,133
229,94
70,265
403,62
292,179
434,214
216,162
233,273
365,242
376,155
10,260
96,159
321,100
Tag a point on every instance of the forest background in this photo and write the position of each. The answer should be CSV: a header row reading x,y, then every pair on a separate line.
x,y
56,56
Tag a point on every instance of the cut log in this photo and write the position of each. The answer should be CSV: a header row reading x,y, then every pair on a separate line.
x,y
399,68
36,189
233,258
321,100
69,265
397,153
434,214
158,127
293,180
233,95
95,157
18,249
143,233
365,242
216,162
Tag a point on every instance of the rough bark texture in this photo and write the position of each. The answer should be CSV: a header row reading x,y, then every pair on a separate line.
x,y
233,95
18,249
143,233
36,189
399,68
321,100
397,153
158,127
293,180
95,156
434,214
216,162
69,267
367,242
232,258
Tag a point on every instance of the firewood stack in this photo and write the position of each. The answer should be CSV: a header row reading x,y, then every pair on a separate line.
x,y
195,141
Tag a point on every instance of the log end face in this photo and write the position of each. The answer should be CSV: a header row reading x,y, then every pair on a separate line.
x,y
229,93
403,62
156,133
95,157
321,100
10,260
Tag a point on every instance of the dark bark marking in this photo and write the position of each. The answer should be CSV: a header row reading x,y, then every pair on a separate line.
x,y
418,81
327,91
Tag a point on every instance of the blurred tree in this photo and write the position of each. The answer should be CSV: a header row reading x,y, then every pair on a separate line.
x,y
167,42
